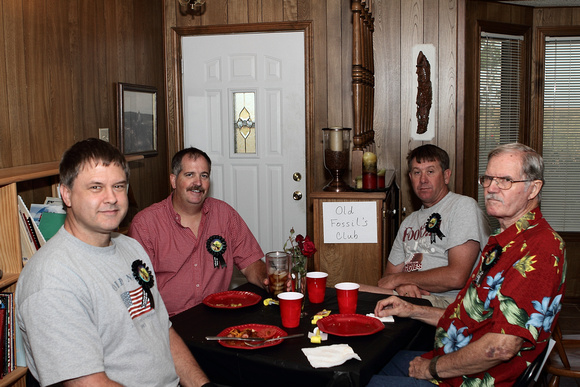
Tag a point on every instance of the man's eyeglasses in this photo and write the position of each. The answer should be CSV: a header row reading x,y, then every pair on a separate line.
x,y
502,182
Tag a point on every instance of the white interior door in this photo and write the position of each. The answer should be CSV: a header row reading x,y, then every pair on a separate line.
x,y
260,185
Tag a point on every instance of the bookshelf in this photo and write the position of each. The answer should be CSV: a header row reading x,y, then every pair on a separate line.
x,y
10,251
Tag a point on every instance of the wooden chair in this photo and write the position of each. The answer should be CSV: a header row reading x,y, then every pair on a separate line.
x,y
558,363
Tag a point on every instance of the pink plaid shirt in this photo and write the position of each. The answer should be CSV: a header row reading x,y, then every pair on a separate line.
x,y
184,269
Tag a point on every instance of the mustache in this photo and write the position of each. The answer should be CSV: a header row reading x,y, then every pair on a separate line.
x,y
492,196
195,188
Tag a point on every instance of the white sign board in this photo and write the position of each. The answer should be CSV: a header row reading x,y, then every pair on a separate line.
x,y
349,222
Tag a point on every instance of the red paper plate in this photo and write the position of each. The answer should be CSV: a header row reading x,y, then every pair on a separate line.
x,y
270,331
232,299
350,325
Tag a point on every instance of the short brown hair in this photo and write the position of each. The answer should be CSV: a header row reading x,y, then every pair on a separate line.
x,y
86,151
428,152
191,152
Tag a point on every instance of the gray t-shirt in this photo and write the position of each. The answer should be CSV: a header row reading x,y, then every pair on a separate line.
x,y
81,312
461,220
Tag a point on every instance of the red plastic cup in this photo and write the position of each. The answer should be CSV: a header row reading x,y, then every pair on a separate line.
x,y
347,294
316,286
290,308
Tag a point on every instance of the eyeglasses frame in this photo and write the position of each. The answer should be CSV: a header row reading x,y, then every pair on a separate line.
x,y
495,178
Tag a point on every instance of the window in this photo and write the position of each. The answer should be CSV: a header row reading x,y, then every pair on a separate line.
x,y
561,133
244,122
500,77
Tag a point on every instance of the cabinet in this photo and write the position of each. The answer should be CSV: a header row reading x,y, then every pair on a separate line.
x,y
357,262
10,251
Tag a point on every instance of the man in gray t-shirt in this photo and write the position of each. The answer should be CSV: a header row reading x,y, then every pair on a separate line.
x,y
437,246
87,303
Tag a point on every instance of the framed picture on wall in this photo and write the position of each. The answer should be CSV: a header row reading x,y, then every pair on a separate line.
x,y
137,115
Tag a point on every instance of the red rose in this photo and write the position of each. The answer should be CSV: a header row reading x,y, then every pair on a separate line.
x,y
307,246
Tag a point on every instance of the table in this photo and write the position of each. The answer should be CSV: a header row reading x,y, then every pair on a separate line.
x,y
285,364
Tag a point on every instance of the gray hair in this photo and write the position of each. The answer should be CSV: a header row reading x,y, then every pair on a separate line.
x,y
532,162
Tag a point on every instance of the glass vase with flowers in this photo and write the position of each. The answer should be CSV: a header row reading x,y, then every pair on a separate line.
x,y
300,248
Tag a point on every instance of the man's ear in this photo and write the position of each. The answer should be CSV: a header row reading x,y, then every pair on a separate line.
x,y
536,187
447,176
173,180
65,193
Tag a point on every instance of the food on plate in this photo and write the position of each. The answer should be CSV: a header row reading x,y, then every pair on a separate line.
x,y
265,333
232,305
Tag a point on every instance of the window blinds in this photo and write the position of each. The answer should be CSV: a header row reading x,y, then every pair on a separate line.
x,y
561,134
499,95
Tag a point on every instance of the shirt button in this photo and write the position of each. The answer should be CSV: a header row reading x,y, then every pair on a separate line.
x,y
195,265
197,285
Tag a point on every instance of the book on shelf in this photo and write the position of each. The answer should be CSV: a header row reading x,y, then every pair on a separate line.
x,y
7,333
48,216
31,239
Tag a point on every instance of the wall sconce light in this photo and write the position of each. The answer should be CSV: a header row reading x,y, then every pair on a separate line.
x,y
195,6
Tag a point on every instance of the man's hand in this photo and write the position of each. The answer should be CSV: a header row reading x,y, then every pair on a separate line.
x,y
394,306
389,281
419,368
408,290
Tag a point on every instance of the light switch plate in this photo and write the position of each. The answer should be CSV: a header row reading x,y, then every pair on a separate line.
x,y
104,134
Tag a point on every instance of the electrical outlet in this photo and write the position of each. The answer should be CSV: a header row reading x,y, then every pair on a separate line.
x,y
104,134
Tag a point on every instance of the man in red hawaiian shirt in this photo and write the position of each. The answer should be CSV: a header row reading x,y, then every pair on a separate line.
x,y
504,316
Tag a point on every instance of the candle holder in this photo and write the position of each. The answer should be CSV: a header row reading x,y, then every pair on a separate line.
x,y
336,142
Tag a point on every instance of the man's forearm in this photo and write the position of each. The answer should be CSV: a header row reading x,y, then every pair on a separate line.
x,y
481,355
437,280
187,368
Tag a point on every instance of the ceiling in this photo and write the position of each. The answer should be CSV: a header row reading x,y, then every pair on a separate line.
x,y
543,3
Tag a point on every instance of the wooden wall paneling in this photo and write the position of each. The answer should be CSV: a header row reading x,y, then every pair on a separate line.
x,y
35,39
334,78
446,106
411,34
237,11
290,10
303,11
320,59
18,107
387,53
471,133
272,11
460,110
5,154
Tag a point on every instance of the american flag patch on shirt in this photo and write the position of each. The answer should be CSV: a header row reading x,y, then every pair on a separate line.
x,y
137,302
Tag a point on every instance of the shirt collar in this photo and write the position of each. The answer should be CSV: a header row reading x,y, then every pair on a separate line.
x,y
530,219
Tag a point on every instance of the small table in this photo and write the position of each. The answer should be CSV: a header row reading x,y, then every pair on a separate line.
x,y
285,364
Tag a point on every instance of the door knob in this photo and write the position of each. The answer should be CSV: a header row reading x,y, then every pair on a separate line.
x,y
297,176
297,195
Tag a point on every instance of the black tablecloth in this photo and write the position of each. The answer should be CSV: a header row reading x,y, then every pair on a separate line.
x,y
285,364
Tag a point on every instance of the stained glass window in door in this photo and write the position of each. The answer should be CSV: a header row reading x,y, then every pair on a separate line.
x,y
244,122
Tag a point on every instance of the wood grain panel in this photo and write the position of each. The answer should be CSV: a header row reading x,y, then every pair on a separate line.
x,y
446,107
15,81
334,68
60,65
237,11
411,34
387,120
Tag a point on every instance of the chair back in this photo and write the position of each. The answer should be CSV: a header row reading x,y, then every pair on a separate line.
x,y
533,371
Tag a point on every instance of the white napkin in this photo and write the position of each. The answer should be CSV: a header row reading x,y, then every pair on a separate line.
x,y
383,319
329,355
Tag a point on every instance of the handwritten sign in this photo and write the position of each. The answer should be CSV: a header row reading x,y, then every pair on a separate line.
x,y
349,222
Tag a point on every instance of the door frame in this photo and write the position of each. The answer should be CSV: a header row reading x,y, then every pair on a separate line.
x,y
174,104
